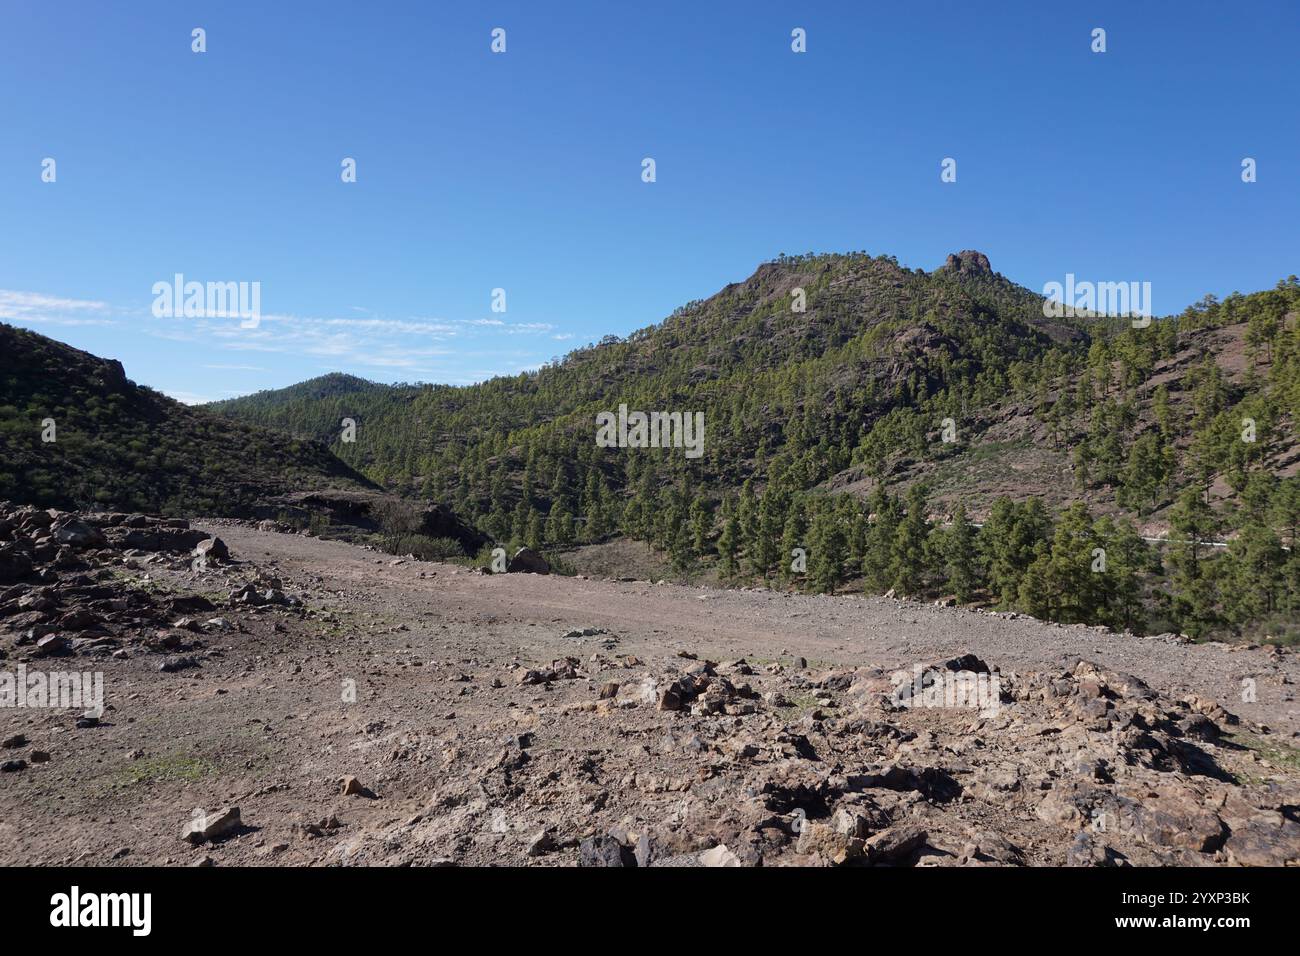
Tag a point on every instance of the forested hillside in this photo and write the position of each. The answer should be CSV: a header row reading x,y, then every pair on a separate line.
x,y
932,401
75,433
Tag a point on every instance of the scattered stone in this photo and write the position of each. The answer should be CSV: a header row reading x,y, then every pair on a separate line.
x,y
719,856
318,828
540,843
584,632
604,851
565,669
895,844
78,534
205,828
352,787
53,646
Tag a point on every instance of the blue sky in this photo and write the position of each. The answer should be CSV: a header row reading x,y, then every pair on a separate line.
x,y
522,170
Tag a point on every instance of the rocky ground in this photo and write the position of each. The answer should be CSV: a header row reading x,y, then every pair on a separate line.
x,y
275,698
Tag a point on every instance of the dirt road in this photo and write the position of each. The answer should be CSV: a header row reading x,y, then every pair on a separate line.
x,y
414,679
525,613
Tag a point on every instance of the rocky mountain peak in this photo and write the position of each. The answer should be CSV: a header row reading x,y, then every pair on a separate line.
x,y
968,262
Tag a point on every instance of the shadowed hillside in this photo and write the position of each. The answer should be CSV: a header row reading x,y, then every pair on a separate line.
x,y
117,445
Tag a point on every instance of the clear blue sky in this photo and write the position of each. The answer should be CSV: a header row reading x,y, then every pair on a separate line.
x,y
523,170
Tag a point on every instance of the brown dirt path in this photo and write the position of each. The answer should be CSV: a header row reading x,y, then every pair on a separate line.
x,y
432,651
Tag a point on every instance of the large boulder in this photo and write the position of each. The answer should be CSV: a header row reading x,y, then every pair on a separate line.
x,y
528,561
1268,838
212,551
77,534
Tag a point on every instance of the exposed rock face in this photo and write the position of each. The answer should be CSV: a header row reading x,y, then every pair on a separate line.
x,y
371,511
112,375
1084,766
969,262
157,538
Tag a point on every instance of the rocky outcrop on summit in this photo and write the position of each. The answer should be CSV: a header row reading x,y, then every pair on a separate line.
x,y
968,262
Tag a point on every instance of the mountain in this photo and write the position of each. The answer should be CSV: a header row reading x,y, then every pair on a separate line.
x,y
324,387
874,335
934,433
75,432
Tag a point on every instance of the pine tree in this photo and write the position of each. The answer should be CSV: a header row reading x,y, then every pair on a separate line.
x,y
1163,412
593,525
729,543
1062,582
887,514
1081,462
701,519
1194,594
1145,475
762,550
1128,558
533,534
856,543
826,548
907,564
960,556
794,535
1253,575
1009,541
747,513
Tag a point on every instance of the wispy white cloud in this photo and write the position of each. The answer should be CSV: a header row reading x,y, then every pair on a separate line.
x,y
188,398
421,347
417,345
38,308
